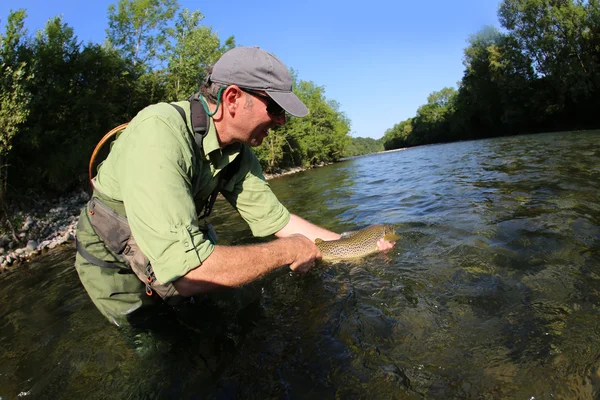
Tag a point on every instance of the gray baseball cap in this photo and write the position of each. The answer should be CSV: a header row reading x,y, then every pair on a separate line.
x,y
254,68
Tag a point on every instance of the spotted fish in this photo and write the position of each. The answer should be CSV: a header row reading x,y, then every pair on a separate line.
x,y
356,244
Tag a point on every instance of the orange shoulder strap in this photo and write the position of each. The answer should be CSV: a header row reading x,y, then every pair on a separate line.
x,y
99,147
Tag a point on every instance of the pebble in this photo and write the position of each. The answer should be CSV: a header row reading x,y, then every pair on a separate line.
x,y
27,224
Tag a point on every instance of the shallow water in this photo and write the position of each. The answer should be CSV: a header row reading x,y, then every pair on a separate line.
x,y
492,292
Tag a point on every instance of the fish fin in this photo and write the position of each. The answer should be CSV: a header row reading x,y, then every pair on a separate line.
x,y
348,234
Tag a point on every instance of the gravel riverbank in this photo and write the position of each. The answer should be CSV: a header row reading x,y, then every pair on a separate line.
x,y
45,226
50,224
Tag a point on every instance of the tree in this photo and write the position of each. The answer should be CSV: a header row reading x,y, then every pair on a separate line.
x,y
363,145
77,96
140,30
323,134
431,123
14,96
495,93
196,48
319,137
398,136
562,39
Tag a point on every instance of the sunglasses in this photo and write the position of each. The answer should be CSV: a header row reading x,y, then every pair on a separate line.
x,y
272,107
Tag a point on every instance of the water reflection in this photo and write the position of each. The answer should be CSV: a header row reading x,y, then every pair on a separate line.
x,y
492,292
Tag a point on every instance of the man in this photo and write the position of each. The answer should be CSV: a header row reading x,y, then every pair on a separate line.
x,y
158,177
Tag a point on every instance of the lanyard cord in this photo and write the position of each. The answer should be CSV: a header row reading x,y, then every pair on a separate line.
x,y
205,106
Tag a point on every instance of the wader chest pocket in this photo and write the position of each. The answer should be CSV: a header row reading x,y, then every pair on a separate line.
x,y
112,228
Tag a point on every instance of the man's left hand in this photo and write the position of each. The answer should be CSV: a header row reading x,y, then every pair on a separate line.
x,y
384,245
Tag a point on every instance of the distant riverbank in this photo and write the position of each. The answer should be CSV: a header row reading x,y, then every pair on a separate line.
x,y
370,154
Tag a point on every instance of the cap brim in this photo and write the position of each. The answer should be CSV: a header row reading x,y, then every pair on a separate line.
x,y
289,102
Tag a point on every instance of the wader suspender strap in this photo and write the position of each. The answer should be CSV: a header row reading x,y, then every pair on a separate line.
x,y
199,119
200,124
100,263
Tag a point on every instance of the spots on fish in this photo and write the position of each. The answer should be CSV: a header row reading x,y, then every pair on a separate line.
x,y
359,244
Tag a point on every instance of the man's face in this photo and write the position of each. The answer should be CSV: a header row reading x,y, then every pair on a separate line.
x,y
261,113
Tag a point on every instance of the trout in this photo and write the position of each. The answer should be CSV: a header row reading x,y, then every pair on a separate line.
x,y
356,244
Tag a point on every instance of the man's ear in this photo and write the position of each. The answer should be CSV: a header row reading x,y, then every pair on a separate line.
x,y
231,99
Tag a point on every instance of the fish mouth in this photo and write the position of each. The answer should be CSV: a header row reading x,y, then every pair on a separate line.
x,y
391,237
390,234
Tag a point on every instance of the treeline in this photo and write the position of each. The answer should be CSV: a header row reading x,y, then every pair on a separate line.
x,y
542,74
319,137
361,145
59,96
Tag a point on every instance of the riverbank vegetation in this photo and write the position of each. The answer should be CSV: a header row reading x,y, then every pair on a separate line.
x,y
59,96
540,73
361,145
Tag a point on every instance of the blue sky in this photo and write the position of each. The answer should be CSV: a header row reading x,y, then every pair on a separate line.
x,y
378,59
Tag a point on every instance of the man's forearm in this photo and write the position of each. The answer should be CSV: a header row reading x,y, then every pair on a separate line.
x,y
233,266
298,225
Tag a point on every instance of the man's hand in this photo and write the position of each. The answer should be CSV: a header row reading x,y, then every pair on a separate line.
x,y
384,245
304,253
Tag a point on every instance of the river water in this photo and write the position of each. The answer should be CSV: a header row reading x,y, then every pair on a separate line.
x,y
492,292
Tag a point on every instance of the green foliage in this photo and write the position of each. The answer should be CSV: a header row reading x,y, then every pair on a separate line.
x,y
398,136
14,95
543,74
320,137
76,96
196,48
562,38
14,101
360,145
429,126
140,29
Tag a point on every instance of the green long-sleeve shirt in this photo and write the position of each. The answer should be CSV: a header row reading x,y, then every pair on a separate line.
x,y
156,169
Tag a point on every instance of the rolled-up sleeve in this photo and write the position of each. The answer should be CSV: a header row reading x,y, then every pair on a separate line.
x,y
155,181
253,198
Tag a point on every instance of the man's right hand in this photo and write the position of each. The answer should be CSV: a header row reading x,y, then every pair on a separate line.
x,y
304,253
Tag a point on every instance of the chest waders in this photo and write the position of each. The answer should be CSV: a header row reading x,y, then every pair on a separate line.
x,y
113,228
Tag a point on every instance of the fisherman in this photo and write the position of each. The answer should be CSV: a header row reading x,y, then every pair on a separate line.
x,y
143,238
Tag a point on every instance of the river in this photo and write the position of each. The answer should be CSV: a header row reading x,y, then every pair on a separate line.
x,y
493,291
